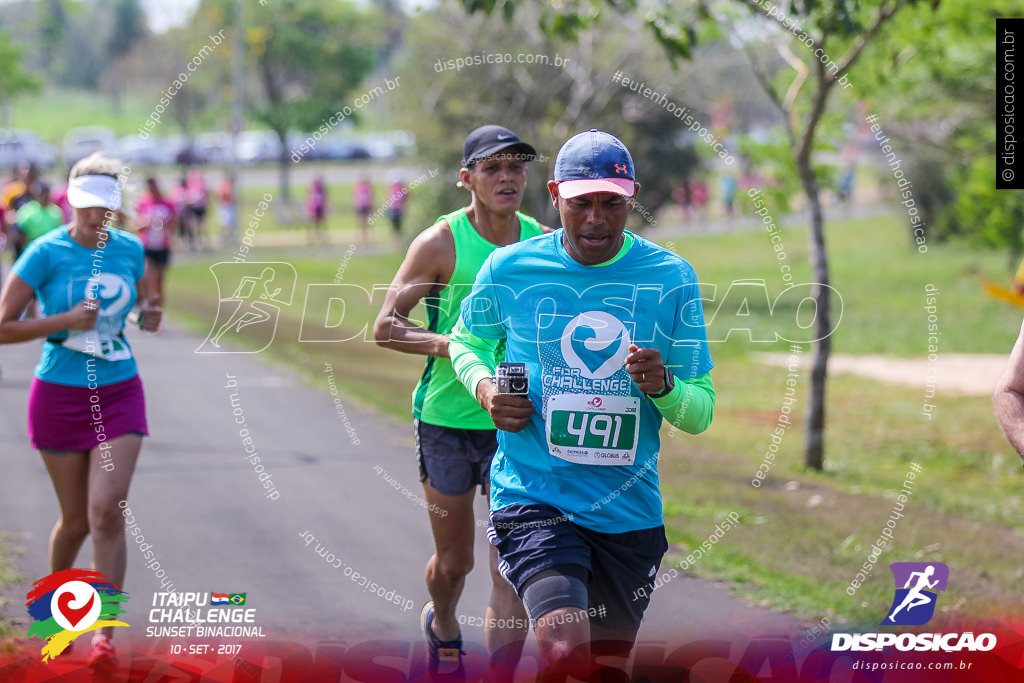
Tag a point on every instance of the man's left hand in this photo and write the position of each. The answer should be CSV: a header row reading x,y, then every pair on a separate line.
x,y
646,368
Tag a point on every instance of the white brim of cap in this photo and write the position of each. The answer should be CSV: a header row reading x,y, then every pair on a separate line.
x,y
94,191
567,189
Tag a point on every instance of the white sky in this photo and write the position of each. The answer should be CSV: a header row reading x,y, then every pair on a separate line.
x,y
164,14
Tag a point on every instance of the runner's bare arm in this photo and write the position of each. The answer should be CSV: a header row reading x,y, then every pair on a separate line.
x,y
16,296
150,312
1008,398
427,268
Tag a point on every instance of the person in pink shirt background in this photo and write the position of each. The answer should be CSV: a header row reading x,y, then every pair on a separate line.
x,y
362,200
155,221
59,196
197,197
316,209
398,193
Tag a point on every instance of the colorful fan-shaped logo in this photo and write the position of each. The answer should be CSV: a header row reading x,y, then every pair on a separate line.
x,y
71,602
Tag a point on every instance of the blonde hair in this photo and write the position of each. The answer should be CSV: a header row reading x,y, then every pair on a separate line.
x,y
96,163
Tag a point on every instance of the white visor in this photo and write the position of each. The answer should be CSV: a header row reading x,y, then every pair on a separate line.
x,y
89,191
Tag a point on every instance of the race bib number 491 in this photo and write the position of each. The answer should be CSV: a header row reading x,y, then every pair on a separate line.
x,y
593,430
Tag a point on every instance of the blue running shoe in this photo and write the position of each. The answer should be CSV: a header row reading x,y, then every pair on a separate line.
x,y
443,656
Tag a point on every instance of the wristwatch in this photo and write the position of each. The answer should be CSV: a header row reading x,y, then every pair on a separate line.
x,y
670,384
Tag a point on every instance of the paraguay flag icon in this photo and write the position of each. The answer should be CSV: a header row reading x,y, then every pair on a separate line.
x,y
227,599
68,603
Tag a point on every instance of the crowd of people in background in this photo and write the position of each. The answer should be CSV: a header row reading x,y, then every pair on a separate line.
x,y
176,218
29,207
363,206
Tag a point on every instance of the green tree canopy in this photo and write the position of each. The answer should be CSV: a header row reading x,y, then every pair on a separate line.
x,y
14,80
946,60
307,59
128,28
454,81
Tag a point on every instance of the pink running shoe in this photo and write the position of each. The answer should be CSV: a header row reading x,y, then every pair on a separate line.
x,y
102,649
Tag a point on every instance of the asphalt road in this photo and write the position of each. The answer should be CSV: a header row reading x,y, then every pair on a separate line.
x,y
199,502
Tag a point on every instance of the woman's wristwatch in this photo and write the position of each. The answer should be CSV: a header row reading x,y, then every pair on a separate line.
x,y
670,384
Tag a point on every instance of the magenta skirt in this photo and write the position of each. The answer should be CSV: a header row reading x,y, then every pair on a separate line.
x,y
67,418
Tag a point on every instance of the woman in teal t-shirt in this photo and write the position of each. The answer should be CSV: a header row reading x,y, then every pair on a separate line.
x,y
86,408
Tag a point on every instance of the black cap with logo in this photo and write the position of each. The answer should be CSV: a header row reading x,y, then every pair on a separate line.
x,y
488,140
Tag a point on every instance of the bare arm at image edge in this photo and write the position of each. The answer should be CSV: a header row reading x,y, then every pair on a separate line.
x,y
1009,397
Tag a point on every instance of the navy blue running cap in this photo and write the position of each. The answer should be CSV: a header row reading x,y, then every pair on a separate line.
x,y
594,161
488,140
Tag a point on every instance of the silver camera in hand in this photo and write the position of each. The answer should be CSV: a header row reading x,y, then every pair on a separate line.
x,y
512,378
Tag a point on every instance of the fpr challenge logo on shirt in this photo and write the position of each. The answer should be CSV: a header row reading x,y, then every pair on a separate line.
x,y
113,292
595,343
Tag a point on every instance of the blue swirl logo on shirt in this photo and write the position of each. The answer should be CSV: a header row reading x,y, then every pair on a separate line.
x,y
113,292
595,343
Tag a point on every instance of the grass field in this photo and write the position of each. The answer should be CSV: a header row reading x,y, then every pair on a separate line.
x,y
52,113
803,536
7,577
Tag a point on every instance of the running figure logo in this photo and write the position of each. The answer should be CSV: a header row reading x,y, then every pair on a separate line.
x,y
258,290
914,603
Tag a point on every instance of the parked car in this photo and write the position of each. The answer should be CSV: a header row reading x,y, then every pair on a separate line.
x,y
184,151
133,151
390,144
24,146
255,146
337,148
81,142
214,148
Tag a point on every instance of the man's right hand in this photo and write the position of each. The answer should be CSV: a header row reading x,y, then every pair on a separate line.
x,y
83,315
510,413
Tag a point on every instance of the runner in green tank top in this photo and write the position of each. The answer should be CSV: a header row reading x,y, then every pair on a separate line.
x,y
455,437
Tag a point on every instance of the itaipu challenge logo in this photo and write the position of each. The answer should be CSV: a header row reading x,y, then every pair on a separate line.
x,y
71,602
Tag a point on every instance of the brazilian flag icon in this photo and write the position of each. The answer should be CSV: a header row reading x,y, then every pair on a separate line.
x,y
237,598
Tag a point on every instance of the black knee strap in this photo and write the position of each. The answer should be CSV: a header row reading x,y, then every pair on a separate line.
x,y
551,589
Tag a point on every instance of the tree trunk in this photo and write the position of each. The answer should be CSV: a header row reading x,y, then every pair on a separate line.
x,y
284,206
814,435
